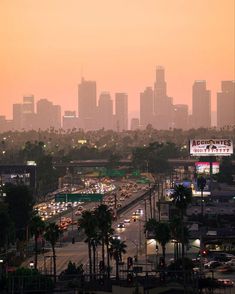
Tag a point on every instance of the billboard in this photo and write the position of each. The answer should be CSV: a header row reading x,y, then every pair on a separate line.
x,y
204,168
211,147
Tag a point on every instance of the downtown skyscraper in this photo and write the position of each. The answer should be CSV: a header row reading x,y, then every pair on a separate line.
x,y
105,112
226,104
146,107
162,103
87,108
201,105
121,112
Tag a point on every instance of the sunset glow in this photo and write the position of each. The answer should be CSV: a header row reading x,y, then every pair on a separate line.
x,y
46,46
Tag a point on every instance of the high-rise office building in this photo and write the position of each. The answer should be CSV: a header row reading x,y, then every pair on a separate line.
x,y
121,111
162,103
146,107
28,115
180,116
70,120
48,115
105,111
87,109
135,124
226,104
201,106
17,116
28,104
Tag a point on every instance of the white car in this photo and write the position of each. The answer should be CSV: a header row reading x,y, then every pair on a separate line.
x,y
127,221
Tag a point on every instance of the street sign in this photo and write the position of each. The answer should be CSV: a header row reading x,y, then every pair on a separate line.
x,y
78,197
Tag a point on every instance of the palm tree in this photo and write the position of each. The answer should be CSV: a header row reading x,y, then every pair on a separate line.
x,y
37,227
52,234
88,223
95,241
160,232
107,243
104,222
176,233
181,198
117,248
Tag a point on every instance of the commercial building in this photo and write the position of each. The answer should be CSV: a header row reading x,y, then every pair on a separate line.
x,y
121,111
162,103
226,104
180,116
105,112
201,106
70,120
48,115
87,108
146,107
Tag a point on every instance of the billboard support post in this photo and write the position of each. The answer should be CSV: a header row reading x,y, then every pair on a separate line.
x,y
211,172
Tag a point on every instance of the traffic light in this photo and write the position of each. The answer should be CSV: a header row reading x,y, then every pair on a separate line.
x,y
204,252
129,262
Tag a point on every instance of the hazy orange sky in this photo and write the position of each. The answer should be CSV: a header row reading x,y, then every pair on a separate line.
x,y
46,45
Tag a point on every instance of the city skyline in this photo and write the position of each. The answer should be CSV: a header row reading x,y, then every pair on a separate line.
x,y
47,46
97,111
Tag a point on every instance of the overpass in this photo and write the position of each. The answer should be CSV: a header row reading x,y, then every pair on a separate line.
x,y
122,162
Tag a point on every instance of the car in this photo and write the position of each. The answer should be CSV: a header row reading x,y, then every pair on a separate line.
x,y
231,262
121,226
139,211
127,221
116,237
225,282
212,264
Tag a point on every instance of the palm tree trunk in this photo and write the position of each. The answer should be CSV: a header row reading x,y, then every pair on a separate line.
x,y
36,251
117,271
90,259
164,253
94,257
108,259
103,251
54,262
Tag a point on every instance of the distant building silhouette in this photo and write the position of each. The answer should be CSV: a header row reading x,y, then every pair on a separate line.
x,y
28,116
162,103
105,112
48,115
17,116
201,106
121,111
87,108
146,107
70,120
180,116
226,104
135,124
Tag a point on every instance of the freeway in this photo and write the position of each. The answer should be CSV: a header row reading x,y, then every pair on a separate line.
x,y
78,252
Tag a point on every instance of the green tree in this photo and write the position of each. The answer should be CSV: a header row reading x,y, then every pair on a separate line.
x,y
88,223
117,248
52,234
37,227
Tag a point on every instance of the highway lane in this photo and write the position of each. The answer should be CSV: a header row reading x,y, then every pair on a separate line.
x,y
78,252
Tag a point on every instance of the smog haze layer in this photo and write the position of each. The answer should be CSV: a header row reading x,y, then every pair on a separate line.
x,y
46,46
